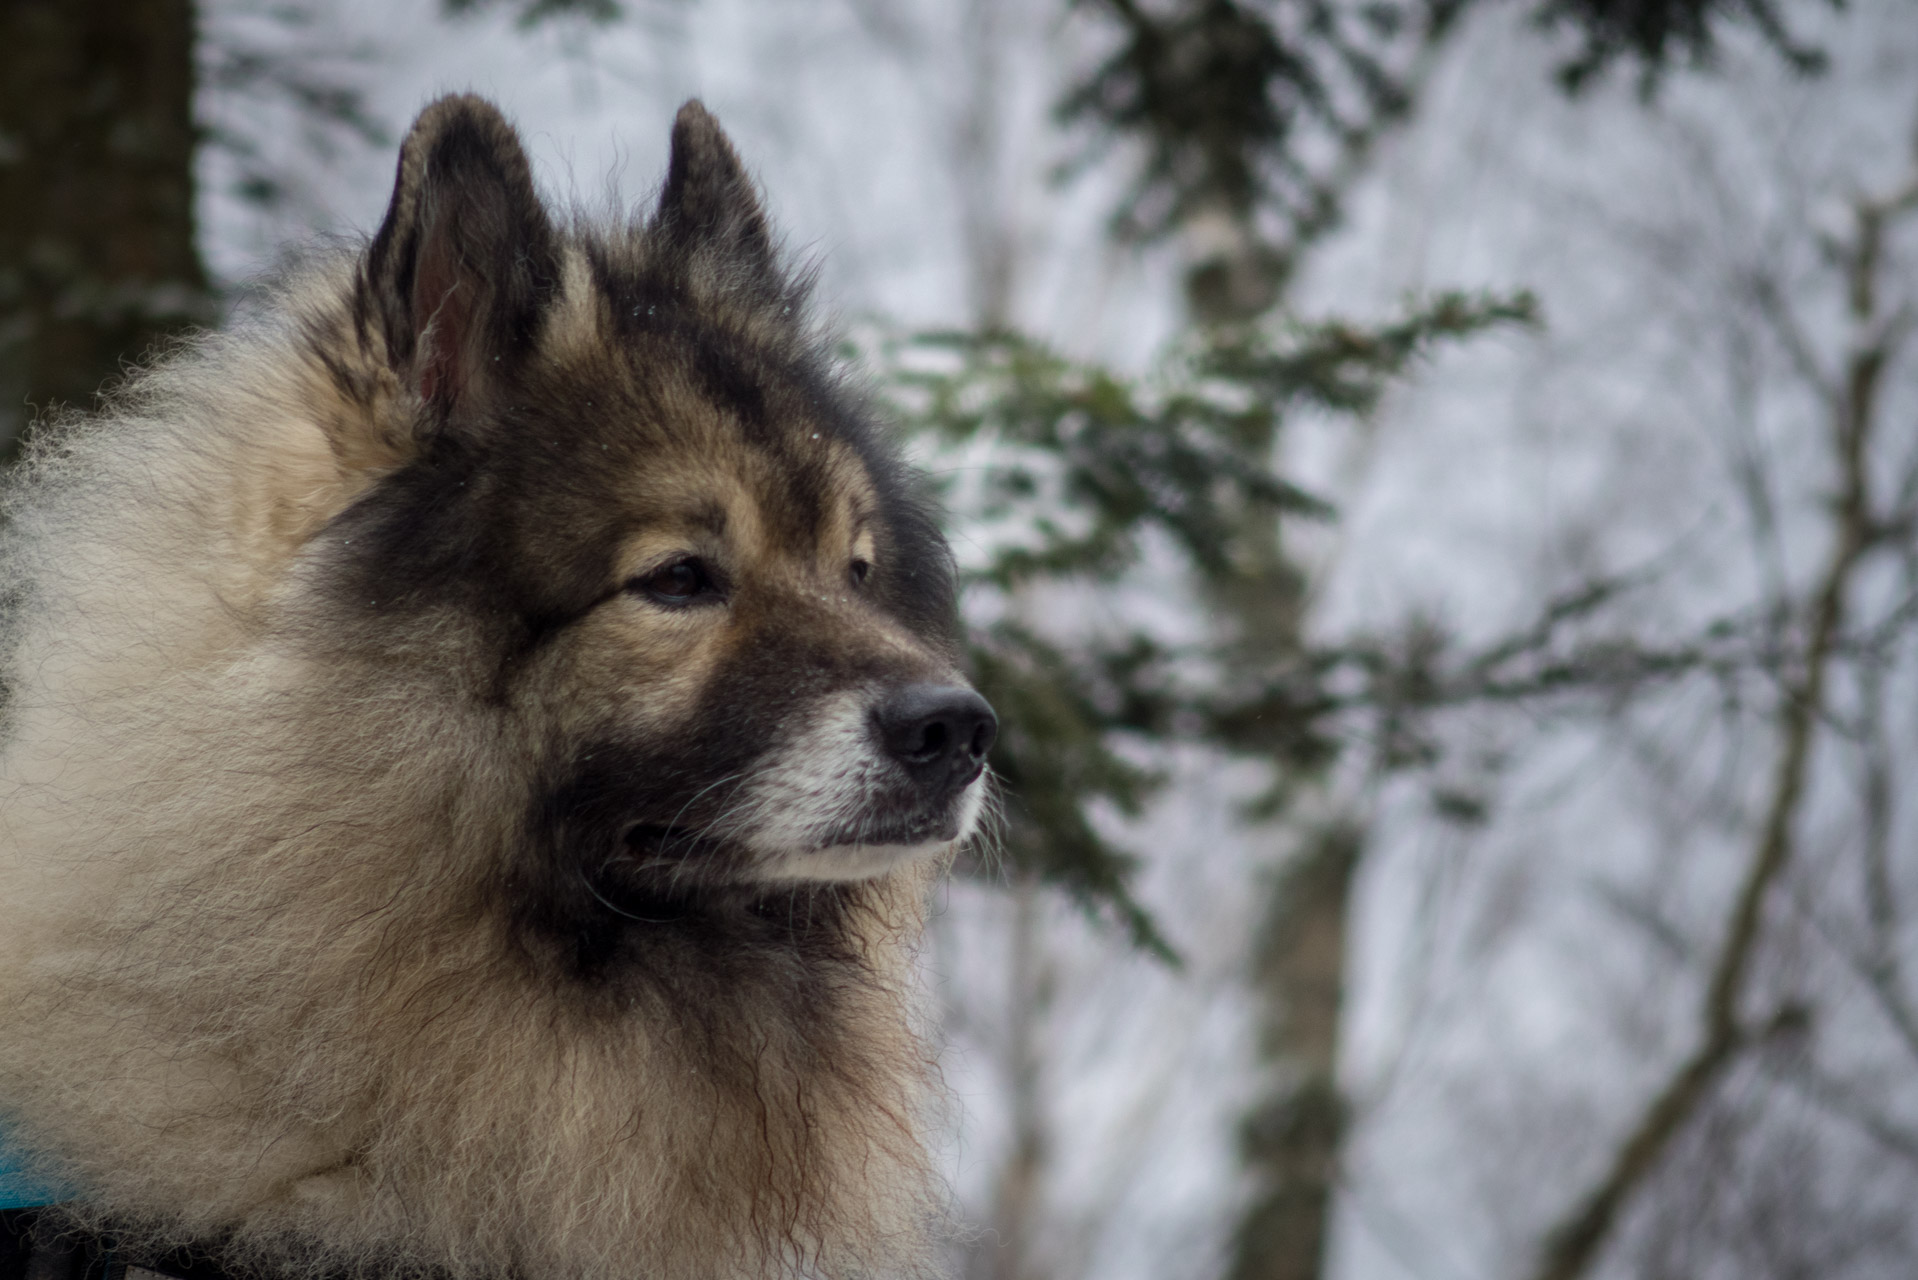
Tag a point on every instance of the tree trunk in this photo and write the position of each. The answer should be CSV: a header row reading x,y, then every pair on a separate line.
x,y
1290,1142
97,253
1018,1201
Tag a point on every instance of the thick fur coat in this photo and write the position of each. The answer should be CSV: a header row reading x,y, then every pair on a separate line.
x,y
454,812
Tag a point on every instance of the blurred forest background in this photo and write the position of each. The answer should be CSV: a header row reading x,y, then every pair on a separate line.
x,y
1438,492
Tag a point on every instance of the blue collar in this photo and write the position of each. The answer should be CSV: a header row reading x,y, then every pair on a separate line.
x,y
19,1187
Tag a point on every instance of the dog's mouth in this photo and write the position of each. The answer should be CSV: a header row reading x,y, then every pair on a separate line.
x,y
924,828
664,873
694,856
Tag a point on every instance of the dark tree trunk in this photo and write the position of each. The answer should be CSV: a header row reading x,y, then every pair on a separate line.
x,y
1291,1141
97,253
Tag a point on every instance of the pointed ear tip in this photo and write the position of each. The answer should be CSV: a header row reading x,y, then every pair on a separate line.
x,y
692,114
697,130
453,106
451,111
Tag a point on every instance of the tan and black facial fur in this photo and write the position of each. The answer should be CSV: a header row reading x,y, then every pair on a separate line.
x,y
478,734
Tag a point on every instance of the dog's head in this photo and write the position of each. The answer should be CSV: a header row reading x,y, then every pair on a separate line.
x,y
689,572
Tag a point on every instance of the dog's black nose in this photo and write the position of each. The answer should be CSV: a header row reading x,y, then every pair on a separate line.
x,y
939,732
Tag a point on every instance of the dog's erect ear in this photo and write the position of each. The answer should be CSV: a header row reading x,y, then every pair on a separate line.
x,y
466,262
708,205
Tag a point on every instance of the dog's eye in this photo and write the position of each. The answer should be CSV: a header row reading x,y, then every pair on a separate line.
x,y
861,570
681,582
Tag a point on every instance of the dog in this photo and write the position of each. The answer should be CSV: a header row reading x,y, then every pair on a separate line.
x,y
479,735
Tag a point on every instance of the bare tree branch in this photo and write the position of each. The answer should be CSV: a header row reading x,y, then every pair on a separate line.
x,y
1880,965
1777,310
1574,1244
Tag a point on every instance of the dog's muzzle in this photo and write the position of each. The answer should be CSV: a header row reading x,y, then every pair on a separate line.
x,y
879,777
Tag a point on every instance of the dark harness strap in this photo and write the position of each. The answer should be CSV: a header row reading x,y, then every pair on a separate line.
x,y
30,1253
35,1247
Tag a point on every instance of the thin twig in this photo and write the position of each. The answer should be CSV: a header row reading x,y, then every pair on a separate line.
x,y
1844,1102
